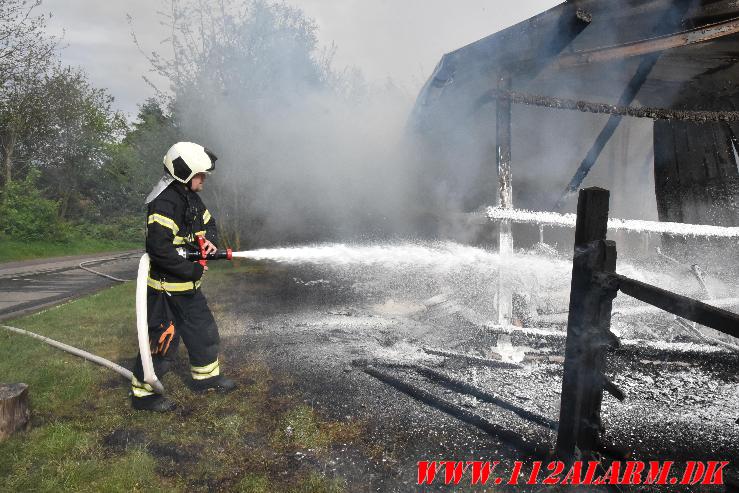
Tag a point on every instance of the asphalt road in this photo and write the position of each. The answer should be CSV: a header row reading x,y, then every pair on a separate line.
x,y
30,286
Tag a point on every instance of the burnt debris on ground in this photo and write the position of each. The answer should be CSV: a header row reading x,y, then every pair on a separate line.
x,y
324,326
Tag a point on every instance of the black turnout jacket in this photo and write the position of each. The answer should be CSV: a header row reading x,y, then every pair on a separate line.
x,y
174,218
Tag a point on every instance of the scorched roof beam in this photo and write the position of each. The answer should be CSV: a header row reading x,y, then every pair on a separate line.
x,y
651,45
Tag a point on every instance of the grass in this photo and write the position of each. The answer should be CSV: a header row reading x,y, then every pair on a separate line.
x,y
85,437
27,250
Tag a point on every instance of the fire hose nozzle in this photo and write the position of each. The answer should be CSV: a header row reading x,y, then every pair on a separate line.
x,y
202,258
226,254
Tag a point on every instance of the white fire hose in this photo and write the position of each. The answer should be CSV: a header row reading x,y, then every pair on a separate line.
x,y
125,373
142,328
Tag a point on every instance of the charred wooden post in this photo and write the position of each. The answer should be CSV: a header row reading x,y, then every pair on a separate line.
x,y
588,328
14,410
505,197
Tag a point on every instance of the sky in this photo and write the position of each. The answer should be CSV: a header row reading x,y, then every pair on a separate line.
x,y
398,39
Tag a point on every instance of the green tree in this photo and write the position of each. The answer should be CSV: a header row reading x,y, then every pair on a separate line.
x,y
135,163
25,214
72,156
26,53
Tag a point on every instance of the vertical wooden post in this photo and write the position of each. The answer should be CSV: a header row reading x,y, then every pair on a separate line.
x,y
505,196
588,328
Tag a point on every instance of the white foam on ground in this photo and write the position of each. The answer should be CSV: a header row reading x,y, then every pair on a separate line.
x,y
675,347
446,280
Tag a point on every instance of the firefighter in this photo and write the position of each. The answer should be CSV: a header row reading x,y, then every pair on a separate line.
x,y
176,306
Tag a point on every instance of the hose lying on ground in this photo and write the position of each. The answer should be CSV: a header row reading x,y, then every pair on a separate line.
x,y
125,373
83,266
73,350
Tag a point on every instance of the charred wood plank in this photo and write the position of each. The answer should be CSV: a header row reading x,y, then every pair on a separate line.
x,y
533,333
691,116
711,13
460,386
591,223
652,45
472,359
612,389
682,306
507,436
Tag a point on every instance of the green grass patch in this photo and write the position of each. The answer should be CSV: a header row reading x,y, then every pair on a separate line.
x,y
27,250
85,436
301,428
317,483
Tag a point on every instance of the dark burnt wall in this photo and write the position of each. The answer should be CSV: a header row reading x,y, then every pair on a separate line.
x,y
695,173
695,164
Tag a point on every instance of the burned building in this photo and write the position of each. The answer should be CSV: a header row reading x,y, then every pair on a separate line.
x,y
638,96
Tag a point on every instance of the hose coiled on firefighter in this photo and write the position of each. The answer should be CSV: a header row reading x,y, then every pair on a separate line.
x,y
142,326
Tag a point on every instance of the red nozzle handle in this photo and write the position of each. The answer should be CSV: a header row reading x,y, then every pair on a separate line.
x,y
201,246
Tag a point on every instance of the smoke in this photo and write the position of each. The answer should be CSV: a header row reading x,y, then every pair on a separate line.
x,y
306,152
311,152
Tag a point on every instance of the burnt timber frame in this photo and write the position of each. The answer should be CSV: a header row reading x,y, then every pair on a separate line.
x,y
627,97
594,286
652,52
505,196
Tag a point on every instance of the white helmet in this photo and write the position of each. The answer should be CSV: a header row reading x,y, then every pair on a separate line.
x,y
186,159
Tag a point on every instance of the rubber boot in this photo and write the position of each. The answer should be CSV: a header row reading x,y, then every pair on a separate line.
x,y
156,403
218,383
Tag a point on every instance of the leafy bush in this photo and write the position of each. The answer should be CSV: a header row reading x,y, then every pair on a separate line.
x,y
125,228
26,215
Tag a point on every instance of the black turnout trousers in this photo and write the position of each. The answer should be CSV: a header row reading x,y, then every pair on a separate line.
x,y
172,317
